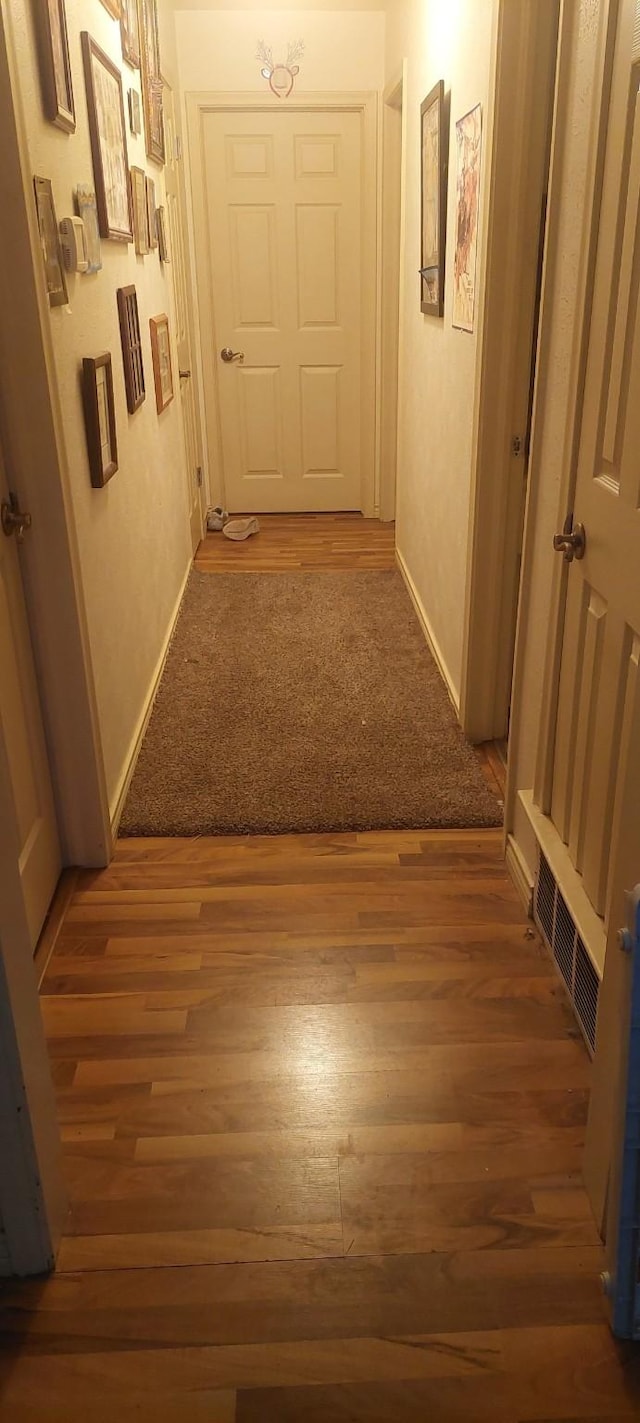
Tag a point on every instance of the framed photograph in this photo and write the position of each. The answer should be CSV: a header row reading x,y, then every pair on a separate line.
x,y
151,213
130,33
161,226
151,80
99,418
131,347
135,112
88,211
55,69
161,353
139,205
114,8
468,155
433,205
50,243
108,142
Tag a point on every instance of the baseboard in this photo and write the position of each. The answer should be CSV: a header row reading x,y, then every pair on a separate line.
x,y
428,632
116,806
53,923
519,872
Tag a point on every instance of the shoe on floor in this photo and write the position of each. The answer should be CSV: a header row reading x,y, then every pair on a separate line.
x,y
238,529
216,519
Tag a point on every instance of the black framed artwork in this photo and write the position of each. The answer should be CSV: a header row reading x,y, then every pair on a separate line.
x,y
434,165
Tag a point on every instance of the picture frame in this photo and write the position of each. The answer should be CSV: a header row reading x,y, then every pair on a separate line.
x,y
139,208
434,167
135,112
88,211
52,260
131,341
468,169
55,65
113,7
151,214
130,32
161,356
161,226
151,78
99,418
108,142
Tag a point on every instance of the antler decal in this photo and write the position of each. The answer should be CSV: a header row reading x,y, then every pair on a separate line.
x,y
280,76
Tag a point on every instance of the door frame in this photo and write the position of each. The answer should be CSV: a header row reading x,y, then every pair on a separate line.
x,y
519,126
392,280
197,104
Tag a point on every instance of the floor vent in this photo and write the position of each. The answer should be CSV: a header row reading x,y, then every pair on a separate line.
x,y
556,924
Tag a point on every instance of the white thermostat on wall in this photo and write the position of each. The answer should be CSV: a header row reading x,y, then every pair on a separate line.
x,y
73,239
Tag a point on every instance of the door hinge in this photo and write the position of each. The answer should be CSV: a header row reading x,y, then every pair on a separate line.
x,y
517,445
199,476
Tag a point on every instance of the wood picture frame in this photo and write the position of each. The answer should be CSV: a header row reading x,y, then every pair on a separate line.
x,y
161,226
99,418
55,65
130,33
114,8
468,169
434,169
108,135
151,214
135,112
131,347
140,211
52,260
152,102
161,355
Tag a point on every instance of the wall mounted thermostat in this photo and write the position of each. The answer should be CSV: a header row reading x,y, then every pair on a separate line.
x,y
73,239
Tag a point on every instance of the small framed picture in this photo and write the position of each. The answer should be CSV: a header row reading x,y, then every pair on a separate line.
x,y
139,206
433,200
131,347
152,87
50,243
55,68
87,210
130,33
108,142
151,213
99,418
161,354
135,112
161,227
114,7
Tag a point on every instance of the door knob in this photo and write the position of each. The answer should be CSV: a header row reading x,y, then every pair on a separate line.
x,y
14,519
228,355
572,542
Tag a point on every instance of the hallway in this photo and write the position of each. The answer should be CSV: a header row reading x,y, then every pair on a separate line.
x,y
322,1104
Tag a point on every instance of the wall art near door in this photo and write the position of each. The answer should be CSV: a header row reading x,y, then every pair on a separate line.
x,y
108,142
131,347
55,68
161,353
88,211
280,76
139,206
135,112
151,80
434,163
99,418
130,33
469,154
151,213
163,244
50,243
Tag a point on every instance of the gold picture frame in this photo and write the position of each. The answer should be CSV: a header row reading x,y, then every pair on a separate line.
x,y
161,355
152,102
50,243
55,65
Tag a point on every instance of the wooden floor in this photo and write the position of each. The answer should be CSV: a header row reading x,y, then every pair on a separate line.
x,y
290,542
323,1105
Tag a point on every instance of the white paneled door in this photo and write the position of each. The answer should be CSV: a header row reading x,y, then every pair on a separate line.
x,y
598,720
29,848
284,222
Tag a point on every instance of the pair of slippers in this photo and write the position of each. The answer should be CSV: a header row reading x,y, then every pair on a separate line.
x,y
236,529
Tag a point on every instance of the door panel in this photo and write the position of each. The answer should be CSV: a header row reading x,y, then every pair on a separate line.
x,y
28,835
179,276
283,202
598,678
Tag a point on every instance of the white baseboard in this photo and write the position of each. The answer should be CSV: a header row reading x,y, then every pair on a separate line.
x,y
428,632
517,867
116,806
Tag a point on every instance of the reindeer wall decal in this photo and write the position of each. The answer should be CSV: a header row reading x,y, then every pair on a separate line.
x,y
280,76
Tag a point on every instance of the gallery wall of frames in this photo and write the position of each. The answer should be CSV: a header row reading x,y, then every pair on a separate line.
x,y
97,84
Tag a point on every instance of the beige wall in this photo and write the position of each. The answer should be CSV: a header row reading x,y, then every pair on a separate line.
x,y
344,49
454,42
133,535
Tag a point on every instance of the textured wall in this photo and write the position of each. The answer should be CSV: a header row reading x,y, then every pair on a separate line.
x,y
344,49
133,535
453,42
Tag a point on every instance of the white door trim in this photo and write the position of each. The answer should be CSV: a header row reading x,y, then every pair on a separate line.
x,y
366,104
393,140
517,137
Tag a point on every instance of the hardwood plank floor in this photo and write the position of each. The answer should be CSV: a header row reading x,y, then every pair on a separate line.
x,y
290,542
322,1105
